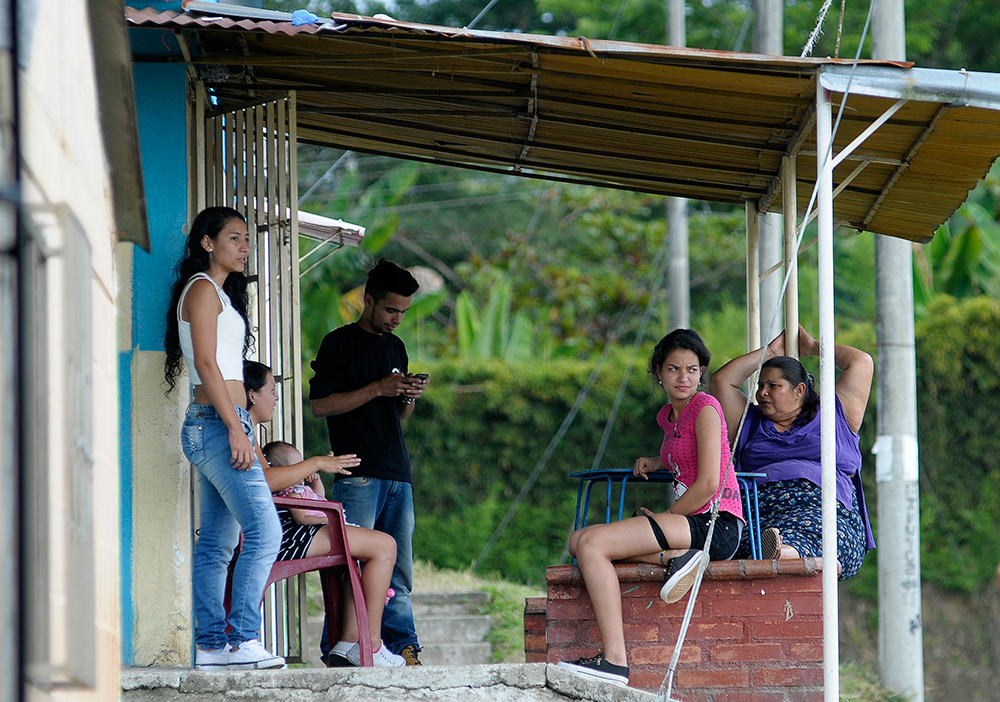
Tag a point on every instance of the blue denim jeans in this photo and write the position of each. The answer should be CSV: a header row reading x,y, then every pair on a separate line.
x,y
231,500
387,506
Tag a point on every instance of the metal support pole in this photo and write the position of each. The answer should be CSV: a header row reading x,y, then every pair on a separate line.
x,y
753,279
770,287
827,381
901,649
679,270
768,39
790,198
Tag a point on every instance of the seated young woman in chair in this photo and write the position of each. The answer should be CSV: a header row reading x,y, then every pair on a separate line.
x,y
376,551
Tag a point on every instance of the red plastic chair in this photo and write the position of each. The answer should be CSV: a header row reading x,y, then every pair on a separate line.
x,y
329,566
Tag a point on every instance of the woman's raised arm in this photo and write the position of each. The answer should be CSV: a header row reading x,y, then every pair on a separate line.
x,y
725,382
855,381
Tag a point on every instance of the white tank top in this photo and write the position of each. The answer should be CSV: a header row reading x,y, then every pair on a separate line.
x,y
228,340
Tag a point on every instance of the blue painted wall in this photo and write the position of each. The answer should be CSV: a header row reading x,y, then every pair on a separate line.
x,y
127,544
160,91
160,94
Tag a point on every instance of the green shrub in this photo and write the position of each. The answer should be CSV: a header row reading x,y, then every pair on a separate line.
x,y
958,375
476,442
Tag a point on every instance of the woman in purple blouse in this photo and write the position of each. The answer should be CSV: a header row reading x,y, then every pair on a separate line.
x,y
781,439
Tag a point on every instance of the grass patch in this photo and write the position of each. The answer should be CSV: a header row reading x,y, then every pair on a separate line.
x,y
859,684
505,608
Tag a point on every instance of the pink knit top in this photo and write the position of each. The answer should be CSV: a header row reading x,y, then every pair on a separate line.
x,y
679,453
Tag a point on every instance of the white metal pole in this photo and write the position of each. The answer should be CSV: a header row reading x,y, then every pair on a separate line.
x,y
753,280
679,267
679,270
790,198
827,379
768,38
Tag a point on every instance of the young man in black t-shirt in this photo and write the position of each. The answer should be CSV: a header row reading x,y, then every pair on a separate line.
x,y
362,387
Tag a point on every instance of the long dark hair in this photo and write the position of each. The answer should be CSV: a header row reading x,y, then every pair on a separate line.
x,y
686,339
794,372
210,223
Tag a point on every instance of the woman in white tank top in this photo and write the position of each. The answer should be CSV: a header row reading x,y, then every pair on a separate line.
x,y
207,327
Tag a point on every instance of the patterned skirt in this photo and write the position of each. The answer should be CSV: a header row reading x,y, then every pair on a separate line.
x,y
295,537
794,507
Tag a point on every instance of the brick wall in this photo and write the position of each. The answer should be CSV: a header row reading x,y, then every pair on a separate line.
x,y
756,633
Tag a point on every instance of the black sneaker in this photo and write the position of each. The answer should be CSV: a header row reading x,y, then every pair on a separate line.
x,y
681,571
598,667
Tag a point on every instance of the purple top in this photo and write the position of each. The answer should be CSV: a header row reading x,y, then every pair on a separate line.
x,y
787,455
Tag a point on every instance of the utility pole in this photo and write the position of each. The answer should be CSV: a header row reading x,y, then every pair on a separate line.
x,y
901,651
678,271
767,39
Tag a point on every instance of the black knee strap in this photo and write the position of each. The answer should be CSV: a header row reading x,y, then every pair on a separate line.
x,y
658,533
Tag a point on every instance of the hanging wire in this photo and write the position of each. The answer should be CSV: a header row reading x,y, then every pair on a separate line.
x,y
460,373
482,12
319,181
817,32
840,29
660,264
639,337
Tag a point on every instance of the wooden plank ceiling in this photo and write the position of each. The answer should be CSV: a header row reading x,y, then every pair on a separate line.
x,y
705,125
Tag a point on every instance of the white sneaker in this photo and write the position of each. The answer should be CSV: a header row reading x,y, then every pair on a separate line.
x,y
350,652
384,658
212,660
251,655
345,653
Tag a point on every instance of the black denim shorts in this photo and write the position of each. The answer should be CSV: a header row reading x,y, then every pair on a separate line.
x,y
725,538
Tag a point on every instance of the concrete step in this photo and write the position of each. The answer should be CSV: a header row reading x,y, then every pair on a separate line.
x,y
447,603
455,654
469,628
450,629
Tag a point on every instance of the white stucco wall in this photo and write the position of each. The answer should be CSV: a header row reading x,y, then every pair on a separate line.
x,y
161,494
63,164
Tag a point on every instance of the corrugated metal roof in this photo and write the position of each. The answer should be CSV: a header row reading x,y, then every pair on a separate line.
x,y
700,124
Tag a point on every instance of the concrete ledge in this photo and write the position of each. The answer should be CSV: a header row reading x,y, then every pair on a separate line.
x,y
717,570
536,682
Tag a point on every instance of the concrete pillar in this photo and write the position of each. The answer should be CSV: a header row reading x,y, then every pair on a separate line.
x,y
767,39
901,652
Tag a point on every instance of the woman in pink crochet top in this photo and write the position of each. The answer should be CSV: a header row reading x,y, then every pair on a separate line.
x,y
695,449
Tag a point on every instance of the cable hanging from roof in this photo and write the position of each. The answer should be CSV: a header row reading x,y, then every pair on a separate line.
x,y
817,31
660,265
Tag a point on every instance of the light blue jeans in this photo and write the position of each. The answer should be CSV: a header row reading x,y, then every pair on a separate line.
x,y
387,506
231,500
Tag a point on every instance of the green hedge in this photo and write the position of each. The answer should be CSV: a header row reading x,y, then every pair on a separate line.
x,y
958,375
476,442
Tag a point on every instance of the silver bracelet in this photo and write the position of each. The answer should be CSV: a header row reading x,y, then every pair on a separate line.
x,y
408,400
